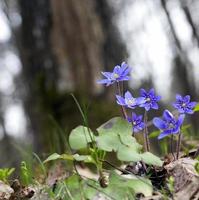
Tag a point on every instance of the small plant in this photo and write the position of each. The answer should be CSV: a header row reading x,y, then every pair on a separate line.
x,y
118,136
25,174
5,173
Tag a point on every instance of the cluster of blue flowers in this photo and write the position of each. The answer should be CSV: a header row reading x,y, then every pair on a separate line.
x,y
147,100
168,124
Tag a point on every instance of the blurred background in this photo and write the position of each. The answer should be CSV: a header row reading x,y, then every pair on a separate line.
x,y
52,48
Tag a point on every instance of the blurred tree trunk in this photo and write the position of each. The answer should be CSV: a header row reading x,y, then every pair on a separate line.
x,y
84,35
64,42
39,63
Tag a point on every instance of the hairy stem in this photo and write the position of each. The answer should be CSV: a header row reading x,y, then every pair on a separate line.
x,y
133,133
146,135
171,146
124,112
178,144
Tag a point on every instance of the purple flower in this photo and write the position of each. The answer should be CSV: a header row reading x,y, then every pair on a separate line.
x,y
137,122
120,73
168,124
129,101
183,104
150,99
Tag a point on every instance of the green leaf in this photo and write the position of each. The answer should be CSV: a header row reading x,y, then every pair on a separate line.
x,y
114,133
151,159
77,157
5,173
56,156
80,137
108,141
85,158
154,134
128,186
25,174
116,125
196,109
52,157
128,154
129,140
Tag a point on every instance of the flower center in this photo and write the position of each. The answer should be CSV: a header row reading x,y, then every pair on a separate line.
x,y
130,101
115,75
134,123
148,99
171,125
184,105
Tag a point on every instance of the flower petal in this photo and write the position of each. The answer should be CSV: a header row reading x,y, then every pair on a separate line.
x,y
128,95
180,120
159,123
125,69
107,74
168,116
134,116
155,106
192,104
189,111
129,119
176,129
143,92
140,100
125,78
178,97
158,98
147,107
175,105
120,100
151,92
116,69
163,134
186,99
139,118
104,81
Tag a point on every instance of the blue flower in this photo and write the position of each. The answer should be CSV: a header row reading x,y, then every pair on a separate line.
x,y
137,122
168,124
120,73
183,104
129,101
150,99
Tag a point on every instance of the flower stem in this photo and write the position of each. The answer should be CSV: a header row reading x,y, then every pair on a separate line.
x,y
133,133
171,147
179,144
145,134
124,113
